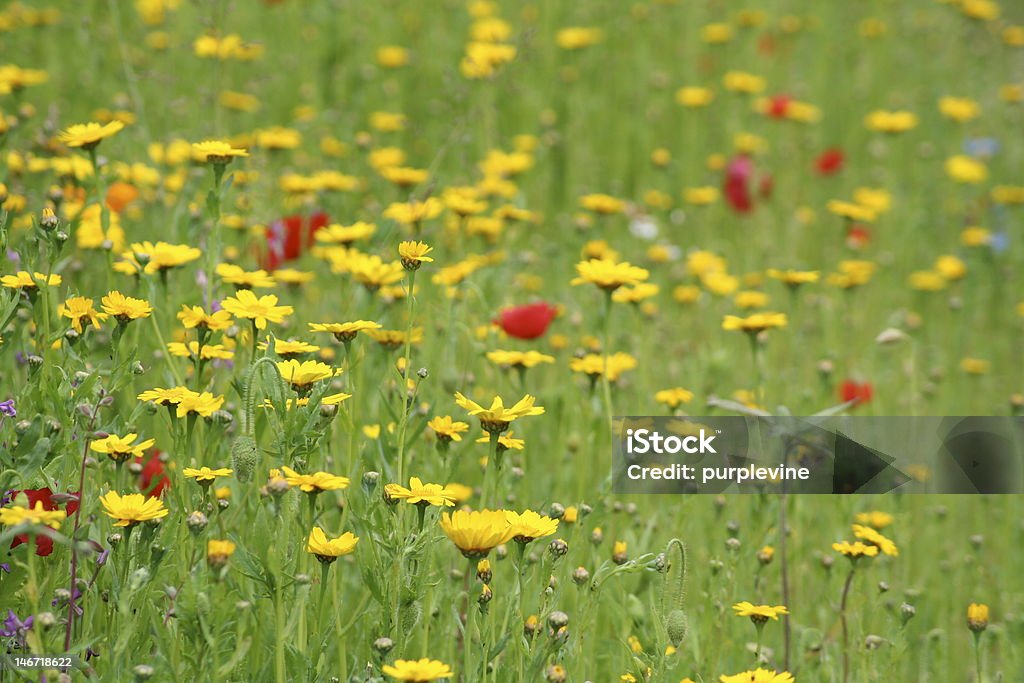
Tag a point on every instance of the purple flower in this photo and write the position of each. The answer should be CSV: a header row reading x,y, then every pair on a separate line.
x,y
16,628
7,408
4,567
101,559
14,257
61,602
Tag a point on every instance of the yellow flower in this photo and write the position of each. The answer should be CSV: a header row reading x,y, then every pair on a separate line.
x,y
208,352
872,537
505,442
421,671
419,493
414,254
716,33
120,448
497,418
447,429
964,169
977,617
25,280
373,272
759,614
305,373
205,475
165,396
316,482
476,533
751,299
758,676
756,323
851,211
528,525
203,404
875,519
959,109
345,234
602,203
344,332
595,365
277,137
217,152
609,275
79,309
194,316
975,366
218,552
926,281
674,397
855,550
976,236
414,212
125,308
288,348
701,196
328,550
235,275
519,359
132,508
884,121
876,199
694,97
260,310
16,514
393,339
88,135
578,37
392,56
163,256
403,176
13,78
635,294
794,278
742,82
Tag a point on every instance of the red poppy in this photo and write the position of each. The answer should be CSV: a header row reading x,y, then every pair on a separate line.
x,y
778,106
858,392
44,544
288,237
829,162
736,189
857,236
528,321
153,480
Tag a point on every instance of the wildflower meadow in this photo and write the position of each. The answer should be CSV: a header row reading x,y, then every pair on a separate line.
x,y
318,319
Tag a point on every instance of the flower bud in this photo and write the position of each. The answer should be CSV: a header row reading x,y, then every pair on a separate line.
x,y
676,626
244,453
555,673
382,646
196,521
557,620
977,617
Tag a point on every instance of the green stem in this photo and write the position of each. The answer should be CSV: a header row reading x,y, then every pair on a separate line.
x,y
406,370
